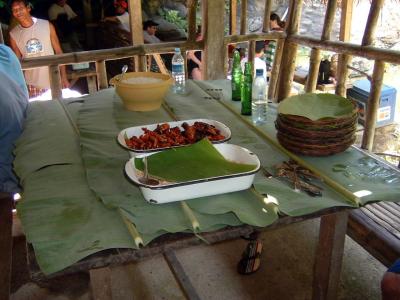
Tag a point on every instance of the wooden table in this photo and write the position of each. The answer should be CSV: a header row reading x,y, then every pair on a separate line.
x,y
327,263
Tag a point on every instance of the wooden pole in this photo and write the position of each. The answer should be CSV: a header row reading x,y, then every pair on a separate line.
x,y
329,18
289,52
252,50
108,54
342,71
372,20
344,36
232,17
101,74
312,78
214,51
243,17
192,4
267,14
377,78
55,82
135,18
373,105
274,78
369,52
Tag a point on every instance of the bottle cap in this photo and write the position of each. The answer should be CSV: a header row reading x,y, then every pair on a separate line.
x,y
259,72
177,50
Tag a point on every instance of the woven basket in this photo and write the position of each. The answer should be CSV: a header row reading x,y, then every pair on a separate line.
x,y
320,125
315,134
315,149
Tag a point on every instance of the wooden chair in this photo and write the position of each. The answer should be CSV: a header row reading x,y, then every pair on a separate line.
x,y
6,203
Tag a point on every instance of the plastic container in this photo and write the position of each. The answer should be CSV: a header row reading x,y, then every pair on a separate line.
x,y
259,101
170,192
178,72
141,96
359,93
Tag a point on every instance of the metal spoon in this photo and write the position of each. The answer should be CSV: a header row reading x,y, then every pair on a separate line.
x,y
124,69
145,179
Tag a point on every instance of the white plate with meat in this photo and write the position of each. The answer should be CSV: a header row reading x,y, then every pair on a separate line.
x,y
165,135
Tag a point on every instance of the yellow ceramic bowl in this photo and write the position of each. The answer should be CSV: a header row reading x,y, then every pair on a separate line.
x,y
138,95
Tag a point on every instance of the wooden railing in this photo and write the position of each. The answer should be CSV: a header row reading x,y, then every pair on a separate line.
x,y
215,55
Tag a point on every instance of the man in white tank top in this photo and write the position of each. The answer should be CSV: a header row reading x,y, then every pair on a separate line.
x,y
34,37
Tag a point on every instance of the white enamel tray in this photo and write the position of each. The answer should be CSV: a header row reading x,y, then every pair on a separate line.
x,y
137,131
169,192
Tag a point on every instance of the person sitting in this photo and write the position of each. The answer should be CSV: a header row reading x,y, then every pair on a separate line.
x,y
60,7
275,24
390,284
34,37
66,22
194,62
121,15
13,106
149,32
259,63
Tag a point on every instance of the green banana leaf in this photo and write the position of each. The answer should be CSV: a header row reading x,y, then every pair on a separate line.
x,y
198,161
316,106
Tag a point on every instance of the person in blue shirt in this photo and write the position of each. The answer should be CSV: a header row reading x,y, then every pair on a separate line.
x,y
13,106
390,285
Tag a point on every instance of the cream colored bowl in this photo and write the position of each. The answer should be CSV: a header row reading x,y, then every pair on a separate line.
x,y
141,96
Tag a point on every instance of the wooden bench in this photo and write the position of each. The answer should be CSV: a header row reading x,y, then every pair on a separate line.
x,y
300,76
6,203
376,227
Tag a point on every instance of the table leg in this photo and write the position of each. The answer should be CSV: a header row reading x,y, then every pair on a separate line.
x,y
5,244
329,255
92,84
100,283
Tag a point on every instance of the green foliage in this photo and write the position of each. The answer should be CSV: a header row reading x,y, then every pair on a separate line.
x,y
173,17
3,3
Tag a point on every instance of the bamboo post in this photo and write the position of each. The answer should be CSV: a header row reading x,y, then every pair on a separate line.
x,y
243,16
315,58
373,17
273,79
342,71
377,78
232,17
135,18
329,18
344,59
267,14
252,50
214,51
55,82
192,20
101,74
312,78
289,52
373,105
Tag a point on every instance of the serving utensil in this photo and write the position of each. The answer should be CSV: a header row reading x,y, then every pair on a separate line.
x,y
124,69
145,179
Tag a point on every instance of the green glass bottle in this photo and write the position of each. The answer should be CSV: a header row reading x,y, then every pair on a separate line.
x,y
236,76
246,89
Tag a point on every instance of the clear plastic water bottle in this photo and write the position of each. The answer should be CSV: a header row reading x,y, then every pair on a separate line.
x,y
259,101
178,72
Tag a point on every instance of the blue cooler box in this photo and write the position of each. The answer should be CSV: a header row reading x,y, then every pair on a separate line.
x,y
360,93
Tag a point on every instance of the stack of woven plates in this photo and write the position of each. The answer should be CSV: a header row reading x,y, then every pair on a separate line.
x,y
316,124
